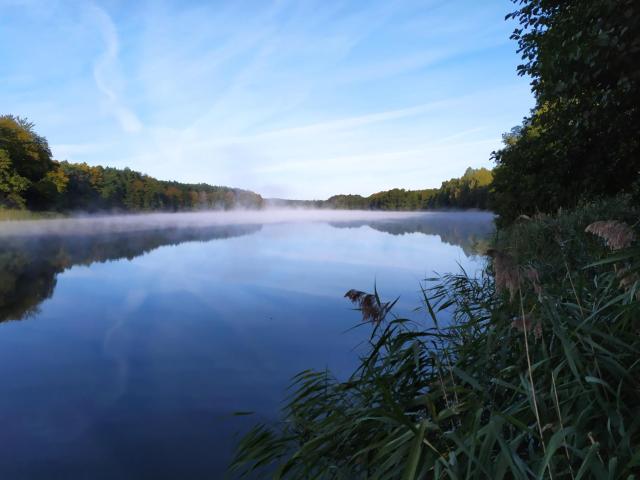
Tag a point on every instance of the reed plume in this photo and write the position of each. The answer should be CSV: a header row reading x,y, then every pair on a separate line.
x,y
617,235
369,304
505,269
509,276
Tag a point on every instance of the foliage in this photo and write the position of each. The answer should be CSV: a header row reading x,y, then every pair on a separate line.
x,y
28,151
581,140
487,385
25,159
104,188
12,185
469,191
29,177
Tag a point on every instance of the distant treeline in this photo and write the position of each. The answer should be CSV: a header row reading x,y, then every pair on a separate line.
x,y
30,178
469,191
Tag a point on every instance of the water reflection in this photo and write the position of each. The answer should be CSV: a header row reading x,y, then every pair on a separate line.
x,y
153,355
29,264
467,230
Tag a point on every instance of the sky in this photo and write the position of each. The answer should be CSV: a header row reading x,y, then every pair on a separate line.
x,y
289,98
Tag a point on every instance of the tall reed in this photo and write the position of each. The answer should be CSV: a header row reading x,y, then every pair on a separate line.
x,y
530,373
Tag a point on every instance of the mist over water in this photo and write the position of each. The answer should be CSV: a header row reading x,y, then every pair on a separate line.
x,y
89,224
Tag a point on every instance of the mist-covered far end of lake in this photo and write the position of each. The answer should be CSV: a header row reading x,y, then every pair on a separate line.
x,y
104,224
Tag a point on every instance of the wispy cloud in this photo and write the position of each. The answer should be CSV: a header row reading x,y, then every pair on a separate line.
x,y
334,125
287,98
76,152
105,71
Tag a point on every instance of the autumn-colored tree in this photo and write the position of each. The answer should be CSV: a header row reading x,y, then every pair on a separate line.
x,y
58,178
12,185
30,178
30,159
28,151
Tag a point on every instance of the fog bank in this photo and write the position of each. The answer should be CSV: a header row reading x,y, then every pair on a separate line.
x,y
100,224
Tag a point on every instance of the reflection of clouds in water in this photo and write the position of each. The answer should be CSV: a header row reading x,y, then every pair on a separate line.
x,y
72,421
294,243
314,259
200,320
115,343
367,253
29,264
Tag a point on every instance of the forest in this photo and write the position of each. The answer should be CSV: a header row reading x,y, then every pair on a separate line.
x,y
580,141
469,191
527,368
30,178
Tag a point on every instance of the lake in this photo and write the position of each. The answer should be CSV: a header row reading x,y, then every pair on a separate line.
x,y
127,343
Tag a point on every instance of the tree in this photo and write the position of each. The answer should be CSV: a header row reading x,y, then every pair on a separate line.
x,y
29,155
12,185
28,151
581,140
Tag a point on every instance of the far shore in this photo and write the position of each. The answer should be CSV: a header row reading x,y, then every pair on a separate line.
x,y
11,215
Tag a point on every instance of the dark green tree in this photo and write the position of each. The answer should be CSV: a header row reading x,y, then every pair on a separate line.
x,y
581,140
30,159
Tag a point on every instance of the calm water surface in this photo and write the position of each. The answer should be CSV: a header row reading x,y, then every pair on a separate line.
x,y
125,351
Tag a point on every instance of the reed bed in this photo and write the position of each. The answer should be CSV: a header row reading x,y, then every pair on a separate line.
x,y
15,214
530,369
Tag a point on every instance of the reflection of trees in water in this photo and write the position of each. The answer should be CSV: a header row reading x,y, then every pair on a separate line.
x,y
29,265
467,230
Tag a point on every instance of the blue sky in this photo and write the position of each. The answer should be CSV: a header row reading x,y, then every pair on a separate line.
x,y
298,99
